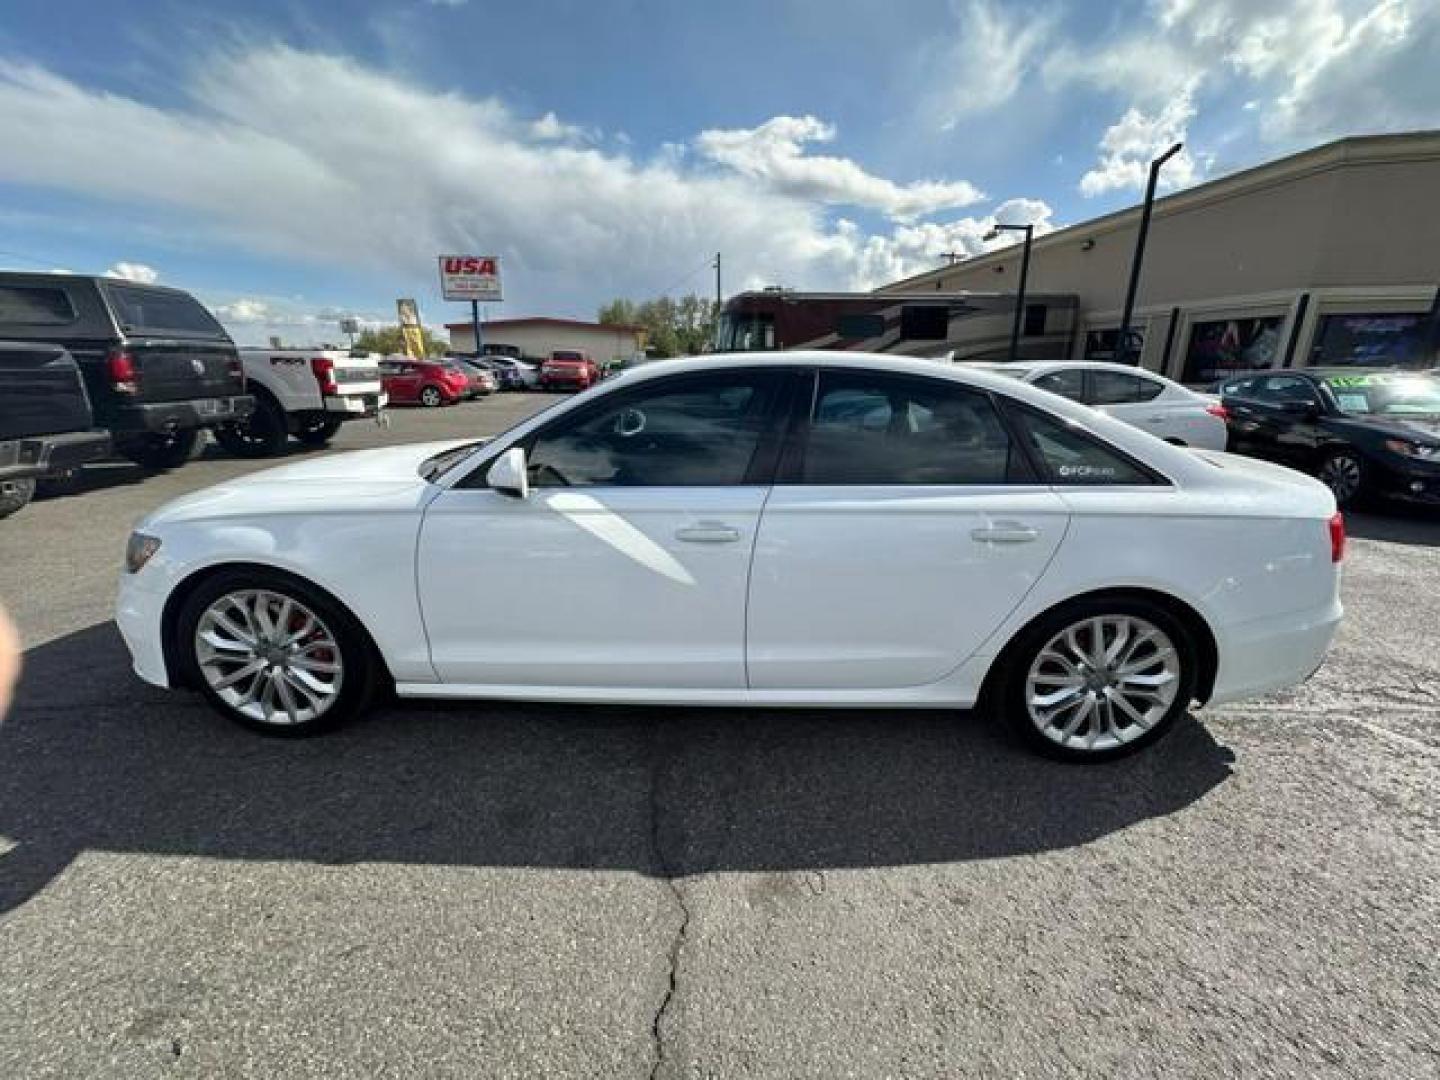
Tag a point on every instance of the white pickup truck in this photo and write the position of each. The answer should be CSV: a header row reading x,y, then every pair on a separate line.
x,y
307,393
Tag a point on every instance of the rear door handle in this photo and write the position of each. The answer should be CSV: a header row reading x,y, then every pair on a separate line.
x,y
1005,532
708,532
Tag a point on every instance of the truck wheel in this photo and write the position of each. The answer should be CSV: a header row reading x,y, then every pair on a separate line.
x,y
152,450
263,433
318,432
14,494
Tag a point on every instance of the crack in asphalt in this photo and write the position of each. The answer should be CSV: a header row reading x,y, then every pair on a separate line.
x,y
677,943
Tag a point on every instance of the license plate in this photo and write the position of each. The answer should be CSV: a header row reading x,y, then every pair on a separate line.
x,y
212,406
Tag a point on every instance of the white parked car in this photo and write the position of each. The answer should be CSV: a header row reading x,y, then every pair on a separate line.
x,y
1150,402
802,529
307,393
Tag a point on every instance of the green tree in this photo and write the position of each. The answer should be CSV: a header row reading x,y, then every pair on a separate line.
x,y
390,340
681,327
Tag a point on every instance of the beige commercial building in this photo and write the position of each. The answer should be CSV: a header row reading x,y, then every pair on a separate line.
x,y
540,336
1331,256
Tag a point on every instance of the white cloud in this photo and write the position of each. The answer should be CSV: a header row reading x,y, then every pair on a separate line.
x,y
774,154
242,311
993,49
1132,142
550,128
266,156
132,271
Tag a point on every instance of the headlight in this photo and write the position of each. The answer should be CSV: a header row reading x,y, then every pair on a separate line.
x,y
138,551
1405,448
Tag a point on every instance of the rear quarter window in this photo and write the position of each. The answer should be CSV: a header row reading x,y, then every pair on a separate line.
x,y
36,305
1073,458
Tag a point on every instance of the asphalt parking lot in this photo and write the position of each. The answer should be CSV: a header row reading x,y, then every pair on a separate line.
x,y
501,890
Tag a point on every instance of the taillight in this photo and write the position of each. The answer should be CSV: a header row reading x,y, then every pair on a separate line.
x,y
324,369
1337,537
120,366
237,371
1218,409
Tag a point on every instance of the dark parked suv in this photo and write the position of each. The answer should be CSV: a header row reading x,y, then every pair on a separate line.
x,y
45,423
157,365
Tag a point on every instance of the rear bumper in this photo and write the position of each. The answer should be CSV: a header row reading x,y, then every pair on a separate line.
x,y
1273,653
44,455
163,416
356,406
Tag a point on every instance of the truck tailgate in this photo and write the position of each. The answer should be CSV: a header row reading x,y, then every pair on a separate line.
x,y
41,392
183,370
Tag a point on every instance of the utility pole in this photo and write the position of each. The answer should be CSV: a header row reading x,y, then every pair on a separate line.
x,y
716,334
1122,338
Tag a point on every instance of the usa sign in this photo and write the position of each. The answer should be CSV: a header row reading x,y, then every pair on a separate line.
x,y
470,277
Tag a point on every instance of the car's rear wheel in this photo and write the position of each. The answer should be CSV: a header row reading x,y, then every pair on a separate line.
x,y
318,432
156,450
1343,473
14,494
275,654
263,433
1098,679
431,397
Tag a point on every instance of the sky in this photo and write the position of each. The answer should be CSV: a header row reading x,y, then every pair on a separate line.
x,y
292,162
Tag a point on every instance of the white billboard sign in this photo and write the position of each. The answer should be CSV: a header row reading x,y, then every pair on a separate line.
x,y
470,277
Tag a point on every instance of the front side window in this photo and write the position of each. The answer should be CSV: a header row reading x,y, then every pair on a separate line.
x,y
687,432
35,305
868,429
1072,457
1278,389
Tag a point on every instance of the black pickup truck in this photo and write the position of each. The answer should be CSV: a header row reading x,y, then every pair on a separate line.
x,y
158,367
45,421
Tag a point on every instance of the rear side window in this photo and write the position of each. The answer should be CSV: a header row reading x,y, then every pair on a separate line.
x,y
1073,458
924,322
1117,388
1069,384
859,327
161,310
36,305
880,430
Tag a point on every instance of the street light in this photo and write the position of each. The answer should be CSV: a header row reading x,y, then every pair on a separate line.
x,y
1029,231
1122,339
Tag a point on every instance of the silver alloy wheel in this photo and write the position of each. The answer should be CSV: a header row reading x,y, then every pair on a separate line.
x,y
268,657
1341,474
1102,682
430,396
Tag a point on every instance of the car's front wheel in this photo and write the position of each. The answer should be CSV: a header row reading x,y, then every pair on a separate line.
x,y
1098,679
274,654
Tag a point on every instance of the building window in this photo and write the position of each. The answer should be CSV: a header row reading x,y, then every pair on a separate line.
x,y
1224,347
1382,340
1100,345
924,322
1034,320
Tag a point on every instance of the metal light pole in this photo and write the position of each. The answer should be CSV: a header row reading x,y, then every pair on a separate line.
x,y
716,334
1029,231
1122,339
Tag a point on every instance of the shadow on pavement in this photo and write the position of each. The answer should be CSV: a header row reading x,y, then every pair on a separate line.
x,y
94,760
1398,523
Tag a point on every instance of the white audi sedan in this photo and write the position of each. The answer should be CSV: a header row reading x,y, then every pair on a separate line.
x,y
1142,398
797,529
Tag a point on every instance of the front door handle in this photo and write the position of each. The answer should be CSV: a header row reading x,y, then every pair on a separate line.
x,y
1005,532
708,532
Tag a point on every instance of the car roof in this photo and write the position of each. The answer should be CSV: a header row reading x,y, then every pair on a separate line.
x,y
1043,367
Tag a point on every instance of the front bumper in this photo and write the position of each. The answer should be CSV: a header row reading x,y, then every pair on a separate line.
x,y
139,607
167,416
1409,480
47,455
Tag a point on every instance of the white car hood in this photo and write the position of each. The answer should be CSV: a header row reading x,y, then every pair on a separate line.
x,y
369,481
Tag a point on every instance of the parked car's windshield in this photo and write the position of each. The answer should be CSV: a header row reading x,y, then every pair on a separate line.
x,y
1386,395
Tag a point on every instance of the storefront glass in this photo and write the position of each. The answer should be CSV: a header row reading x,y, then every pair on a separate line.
x,y
1100,345
1407,341
1224,347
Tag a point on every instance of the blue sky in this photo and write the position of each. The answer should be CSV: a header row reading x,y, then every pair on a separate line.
x,y
292,162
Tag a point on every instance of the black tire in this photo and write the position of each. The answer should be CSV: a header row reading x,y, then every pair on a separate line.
x,y
431,397
152,450
1343,472
318,432
14,494
264,433
1012,699
364,671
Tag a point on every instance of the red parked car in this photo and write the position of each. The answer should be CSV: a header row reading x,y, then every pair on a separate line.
x,y
569,369
427,382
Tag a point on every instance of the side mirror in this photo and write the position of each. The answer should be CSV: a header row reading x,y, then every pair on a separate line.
x,y
508,474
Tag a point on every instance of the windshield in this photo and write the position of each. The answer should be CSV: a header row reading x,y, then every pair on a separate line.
x,y
745,331
1386,395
